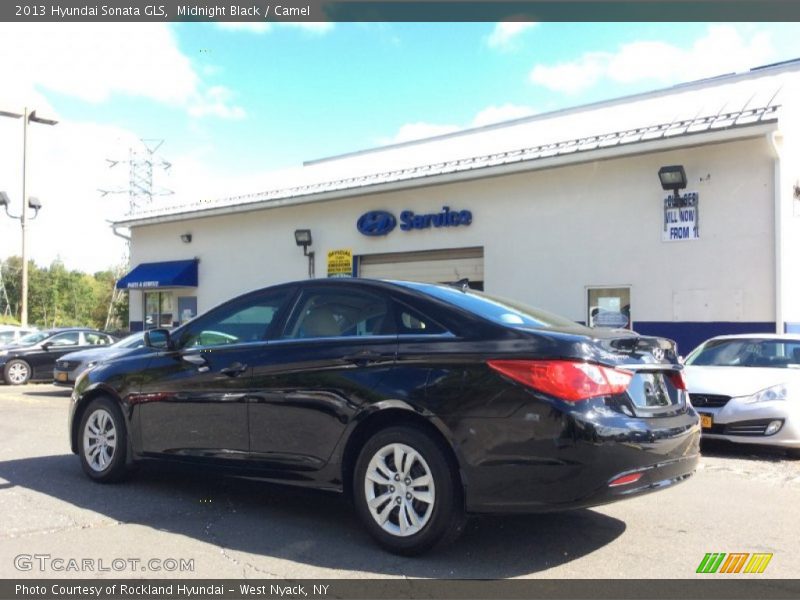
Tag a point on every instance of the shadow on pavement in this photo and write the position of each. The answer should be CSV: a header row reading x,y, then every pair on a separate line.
x,y
307,526
726,449
52,392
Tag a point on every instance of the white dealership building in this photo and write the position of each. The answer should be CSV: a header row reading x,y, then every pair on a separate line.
x,y
564,211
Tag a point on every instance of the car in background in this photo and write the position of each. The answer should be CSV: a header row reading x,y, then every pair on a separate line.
x,y
746,389
421,402
33,357
69,366
11,334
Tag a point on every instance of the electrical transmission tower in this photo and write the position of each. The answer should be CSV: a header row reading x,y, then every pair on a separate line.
x,y
142,161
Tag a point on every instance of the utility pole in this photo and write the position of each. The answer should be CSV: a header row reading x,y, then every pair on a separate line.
x,y
28,117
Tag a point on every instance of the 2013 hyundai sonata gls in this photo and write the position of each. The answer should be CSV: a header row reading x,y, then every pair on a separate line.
x,y
422,402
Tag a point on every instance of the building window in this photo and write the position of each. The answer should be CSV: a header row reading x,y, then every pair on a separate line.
x,y
158,309
609,307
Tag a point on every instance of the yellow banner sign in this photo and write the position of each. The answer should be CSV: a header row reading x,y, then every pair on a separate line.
x,y
340,263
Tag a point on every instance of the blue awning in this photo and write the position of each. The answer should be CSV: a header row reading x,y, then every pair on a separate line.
x,y
174,273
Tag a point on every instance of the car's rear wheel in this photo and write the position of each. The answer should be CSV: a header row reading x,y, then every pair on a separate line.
x,y
406,492
102,441
17,372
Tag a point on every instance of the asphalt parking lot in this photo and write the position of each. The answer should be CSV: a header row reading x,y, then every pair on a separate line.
x,y
741,500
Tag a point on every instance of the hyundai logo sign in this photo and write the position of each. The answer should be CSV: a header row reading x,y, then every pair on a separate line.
x,y
376,222
381,222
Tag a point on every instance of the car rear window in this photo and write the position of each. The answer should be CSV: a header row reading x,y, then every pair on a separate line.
x,y
495,308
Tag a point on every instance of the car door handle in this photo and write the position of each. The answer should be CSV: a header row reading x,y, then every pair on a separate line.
x,y
362,358
198,361
234,370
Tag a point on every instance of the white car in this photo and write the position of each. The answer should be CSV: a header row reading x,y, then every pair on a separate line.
x,y
746,389
11,334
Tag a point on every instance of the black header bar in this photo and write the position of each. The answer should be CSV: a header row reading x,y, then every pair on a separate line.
x,y
398,10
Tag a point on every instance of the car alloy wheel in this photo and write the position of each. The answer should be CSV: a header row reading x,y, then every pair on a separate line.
x,y
102,441
17,372
407,491
99,440
400,490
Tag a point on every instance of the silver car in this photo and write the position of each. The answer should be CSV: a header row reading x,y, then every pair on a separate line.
x,y
746,389
69,366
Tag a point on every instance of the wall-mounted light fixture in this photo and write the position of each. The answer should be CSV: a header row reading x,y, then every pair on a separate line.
x,y
302,237
186,238
673,178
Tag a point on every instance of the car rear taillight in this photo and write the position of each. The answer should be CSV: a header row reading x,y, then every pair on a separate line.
x,y
676,378
565,379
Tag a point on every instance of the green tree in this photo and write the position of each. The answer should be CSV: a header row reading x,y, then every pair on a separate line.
x,y
59,297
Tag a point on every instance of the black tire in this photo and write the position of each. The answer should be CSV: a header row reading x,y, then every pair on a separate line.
x,y
441,523
17,372
104,465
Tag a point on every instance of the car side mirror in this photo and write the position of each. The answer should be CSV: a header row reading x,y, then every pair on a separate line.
x,y
46,346
157,338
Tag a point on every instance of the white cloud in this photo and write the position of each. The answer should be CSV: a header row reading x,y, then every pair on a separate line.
x,y
721,50
498,114
216,101
506,33
93,62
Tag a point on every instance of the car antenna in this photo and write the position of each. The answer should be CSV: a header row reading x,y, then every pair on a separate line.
x,y
462,284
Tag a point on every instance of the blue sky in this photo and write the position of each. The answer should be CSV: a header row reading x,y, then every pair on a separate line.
x,y
235,102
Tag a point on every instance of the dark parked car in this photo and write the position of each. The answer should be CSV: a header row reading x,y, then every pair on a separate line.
x,y
422,402
69,366
32,358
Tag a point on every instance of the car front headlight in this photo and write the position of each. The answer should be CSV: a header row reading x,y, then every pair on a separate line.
x,y
89,365
3,352
776,392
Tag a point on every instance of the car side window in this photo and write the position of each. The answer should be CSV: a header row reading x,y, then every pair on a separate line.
x,y
339,313
412,322
96,339
71,338
240,321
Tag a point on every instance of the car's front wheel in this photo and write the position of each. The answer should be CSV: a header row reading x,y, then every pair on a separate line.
x,y
102,442
17,372
406,492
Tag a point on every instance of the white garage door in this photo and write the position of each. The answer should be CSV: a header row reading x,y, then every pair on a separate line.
x,y
430,266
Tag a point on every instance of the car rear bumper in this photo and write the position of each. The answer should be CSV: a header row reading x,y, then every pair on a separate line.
x,y
573,460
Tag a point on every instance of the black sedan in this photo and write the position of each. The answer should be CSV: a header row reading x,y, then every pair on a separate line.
x,y
33,357
423,403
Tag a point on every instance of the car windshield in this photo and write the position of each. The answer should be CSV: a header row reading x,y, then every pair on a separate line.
x,y
33,338
497,309
747,352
